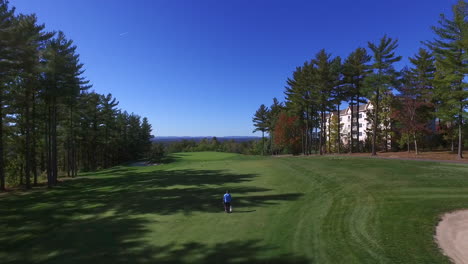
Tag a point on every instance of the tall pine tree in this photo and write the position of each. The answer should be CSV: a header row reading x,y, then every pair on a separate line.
x,y
260,121
381,79
450,48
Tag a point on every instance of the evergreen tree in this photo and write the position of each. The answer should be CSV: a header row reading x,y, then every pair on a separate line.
x,y
422,74
450,48
108,114
326,77
30,39
260,121
7,61
339,93
62,71
355,70
300,101
146,136
417,95
47,119
382,78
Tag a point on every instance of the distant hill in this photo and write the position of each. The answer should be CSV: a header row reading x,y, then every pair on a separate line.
x,y
197,139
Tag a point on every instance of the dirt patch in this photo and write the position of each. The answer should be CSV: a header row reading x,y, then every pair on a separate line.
x,y
441,156
452,236
434,156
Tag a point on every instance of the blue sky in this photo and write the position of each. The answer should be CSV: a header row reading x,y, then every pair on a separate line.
x,y
202,68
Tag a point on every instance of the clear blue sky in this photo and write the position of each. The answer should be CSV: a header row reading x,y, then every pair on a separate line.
x,y
202,68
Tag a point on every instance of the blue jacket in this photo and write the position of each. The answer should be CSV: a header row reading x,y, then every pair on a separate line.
x,y
227,198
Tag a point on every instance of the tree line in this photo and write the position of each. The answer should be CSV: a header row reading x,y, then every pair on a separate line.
x,y
51,123
425,102
160,150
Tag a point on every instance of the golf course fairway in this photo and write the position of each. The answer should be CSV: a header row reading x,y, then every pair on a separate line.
x,y
331,209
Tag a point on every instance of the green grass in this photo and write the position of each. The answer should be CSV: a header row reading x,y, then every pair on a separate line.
x,y
286,210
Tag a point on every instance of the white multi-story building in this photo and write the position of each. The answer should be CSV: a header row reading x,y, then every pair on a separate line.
x,y
345,122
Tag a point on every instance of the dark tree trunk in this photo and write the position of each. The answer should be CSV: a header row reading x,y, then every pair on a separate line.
x,y
339,130
306,133
263,142
321,132
75,161
270,135
302,142
2,171
460,135
310,133
33,145
21,174
93,155
42,161
27,156
357,121
351,139
69,145
49,146
376,122
329,133
107,147
316,139
54,145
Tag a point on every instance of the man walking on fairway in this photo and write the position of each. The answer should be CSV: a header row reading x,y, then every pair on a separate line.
x,y
227,201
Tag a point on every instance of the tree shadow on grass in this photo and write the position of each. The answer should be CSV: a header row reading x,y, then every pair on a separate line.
x,y
99,219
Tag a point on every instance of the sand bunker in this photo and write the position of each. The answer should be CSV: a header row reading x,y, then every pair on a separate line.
x,y
452,236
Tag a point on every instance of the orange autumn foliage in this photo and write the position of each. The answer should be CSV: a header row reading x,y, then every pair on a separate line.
x,y
288,133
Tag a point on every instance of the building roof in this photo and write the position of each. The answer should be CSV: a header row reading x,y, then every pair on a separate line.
x,y
362,108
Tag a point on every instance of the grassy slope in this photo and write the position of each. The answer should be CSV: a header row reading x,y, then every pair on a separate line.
x,y
287,210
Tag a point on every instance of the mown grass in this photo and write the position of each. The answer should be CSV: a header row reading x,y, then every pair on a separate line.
x,y
286,210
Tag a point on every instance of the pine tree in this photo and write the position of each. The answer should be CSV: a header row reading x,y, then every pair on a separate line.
x,y
30,39
7,62
422,73
146,135
382,78
450,49
61,80
300,102
338,95
273,115
260,121
417,94
326,77
76,85
355,70
108,113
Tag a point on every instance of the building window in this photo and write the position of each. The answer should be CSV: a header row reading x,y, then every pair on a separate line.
x,y
349,126
360,124
360,115
340,119
360,134
349,117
